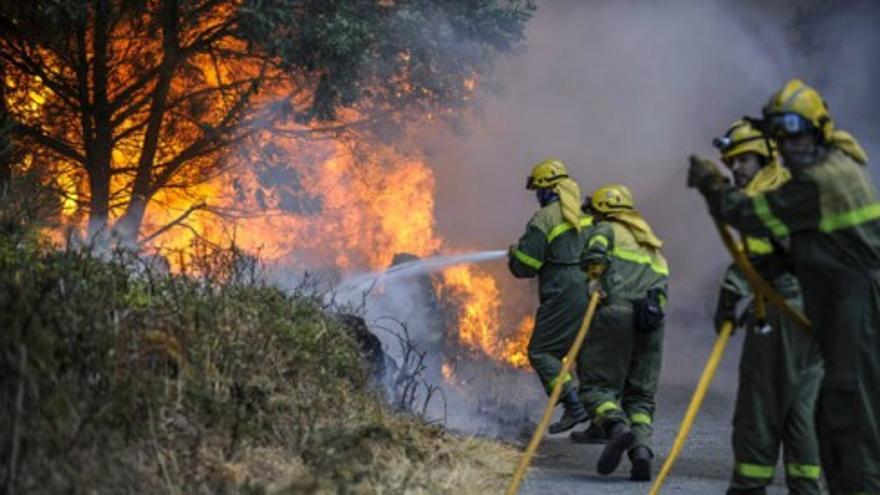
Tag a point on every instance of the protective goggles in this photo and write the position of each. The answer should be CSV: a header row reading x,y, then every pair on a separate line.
x,y
724,143
786,124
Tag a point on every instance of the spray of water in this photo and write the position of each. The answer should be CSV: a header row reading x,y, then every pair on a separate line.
x,y
416,267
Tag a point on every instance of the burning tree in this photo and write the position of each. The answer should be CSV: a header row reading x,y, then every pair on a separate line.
x,y
124,100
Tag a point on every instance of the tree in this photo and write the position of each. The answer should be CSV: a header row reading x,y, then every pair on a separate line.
x,y
136,96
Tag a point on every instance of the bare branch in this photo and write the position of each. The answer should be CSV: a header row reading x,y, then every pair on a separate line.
x,y
55,144
177,221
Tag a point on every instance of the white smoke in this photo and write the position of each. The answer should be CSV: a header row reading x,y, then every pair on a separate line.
x,y
624,92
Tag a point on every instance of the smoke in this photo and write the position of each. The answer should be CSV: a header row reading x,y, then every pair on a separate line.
x,y
621,92
624,92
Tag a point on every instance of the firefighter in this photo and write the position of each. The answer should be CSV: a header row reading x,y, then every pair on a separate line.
x,y
619,366
780,368
550,249
831,212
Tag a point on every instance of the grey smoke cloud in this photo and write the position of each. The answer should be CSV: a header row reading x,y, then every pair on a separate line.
x,y
624,92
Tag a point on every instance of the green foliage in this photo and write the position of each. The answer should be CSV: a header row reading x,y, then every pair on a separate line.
x,y
386,56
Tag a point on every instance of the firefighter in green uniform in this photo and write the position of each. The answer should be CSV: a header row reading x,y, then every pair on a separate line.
x,y
550,249
780,368
619,365
831,212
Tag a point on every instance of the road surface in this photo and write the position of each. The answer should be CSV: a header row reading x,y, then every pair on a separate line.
x,y
704,465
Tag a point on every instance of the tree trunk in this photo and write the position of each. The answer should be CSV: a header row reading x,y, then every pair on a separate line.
x,y
102,145
99,206
129,225
6,150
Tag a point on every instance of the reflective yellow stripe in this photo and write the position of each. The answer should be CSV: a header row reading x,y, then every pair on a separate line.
x,y
565,227
527,260
773,224
759,246
605,407
810,471
754,470
640,258
640,419
850,218
565,379
599,239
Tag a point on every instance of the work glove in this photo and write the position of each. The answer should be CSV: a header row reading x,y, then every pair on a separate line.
x,y
726,309
510,251
595,270
703,174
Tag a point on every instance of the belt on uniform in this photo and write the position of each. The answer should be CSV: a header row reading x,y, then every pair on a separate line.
x,y
577,263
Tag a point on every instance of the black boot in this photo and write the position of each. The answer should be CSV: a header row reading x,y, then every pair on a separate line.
x,y
620,439
640,457
592,435
573,414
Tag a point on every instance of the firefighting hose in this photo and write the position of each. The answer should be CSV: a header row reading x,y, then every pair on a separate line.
x,y
567,363
763,291
694,406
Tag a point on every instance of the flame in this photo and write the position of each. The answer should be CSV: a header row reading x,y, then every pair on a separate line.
x,y
515,348
479,304
448,372
340,207
478,299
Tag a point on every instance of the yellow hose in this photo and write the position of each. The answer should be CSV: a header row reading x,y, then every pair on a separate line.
x,y
764,292
694,407
570,358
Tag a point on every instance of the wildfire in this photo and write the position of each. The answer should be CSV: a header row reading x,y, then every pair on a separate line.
x,y
335,206
448,372
515,349
348,212
479,316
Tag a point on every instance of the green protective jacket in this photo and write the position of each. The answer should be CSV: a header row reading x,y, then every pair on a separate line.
x,y
831,212
779,375
550,249
619,366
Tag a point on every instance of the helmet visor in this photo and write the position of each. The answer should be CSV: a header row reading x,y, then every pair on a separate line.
x,y
787,124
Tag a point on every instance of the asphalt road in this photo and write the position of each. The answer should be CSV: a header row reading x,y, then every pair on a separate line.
x,y
704,465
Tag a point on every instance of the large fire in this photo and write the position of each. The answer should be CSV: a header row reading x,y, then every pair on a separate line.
x,y
371,208
344,209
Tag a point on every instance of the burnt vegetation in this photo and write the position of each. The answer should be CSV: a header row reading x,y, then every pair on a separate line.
x,y
119,376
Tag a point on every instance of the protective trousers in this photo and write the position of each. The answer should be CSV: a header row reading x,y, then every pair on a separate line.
x,y
618,370
846,316
779,375
556,324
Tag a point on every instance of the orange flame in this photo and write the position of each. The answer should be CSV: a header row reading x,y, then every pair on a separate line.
x,y
358,213
478,300
515,348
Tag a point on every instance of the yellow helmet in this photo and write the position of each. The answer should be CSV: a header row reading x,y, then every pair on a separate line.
x,y
743,137
612,197
547,174
798,108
